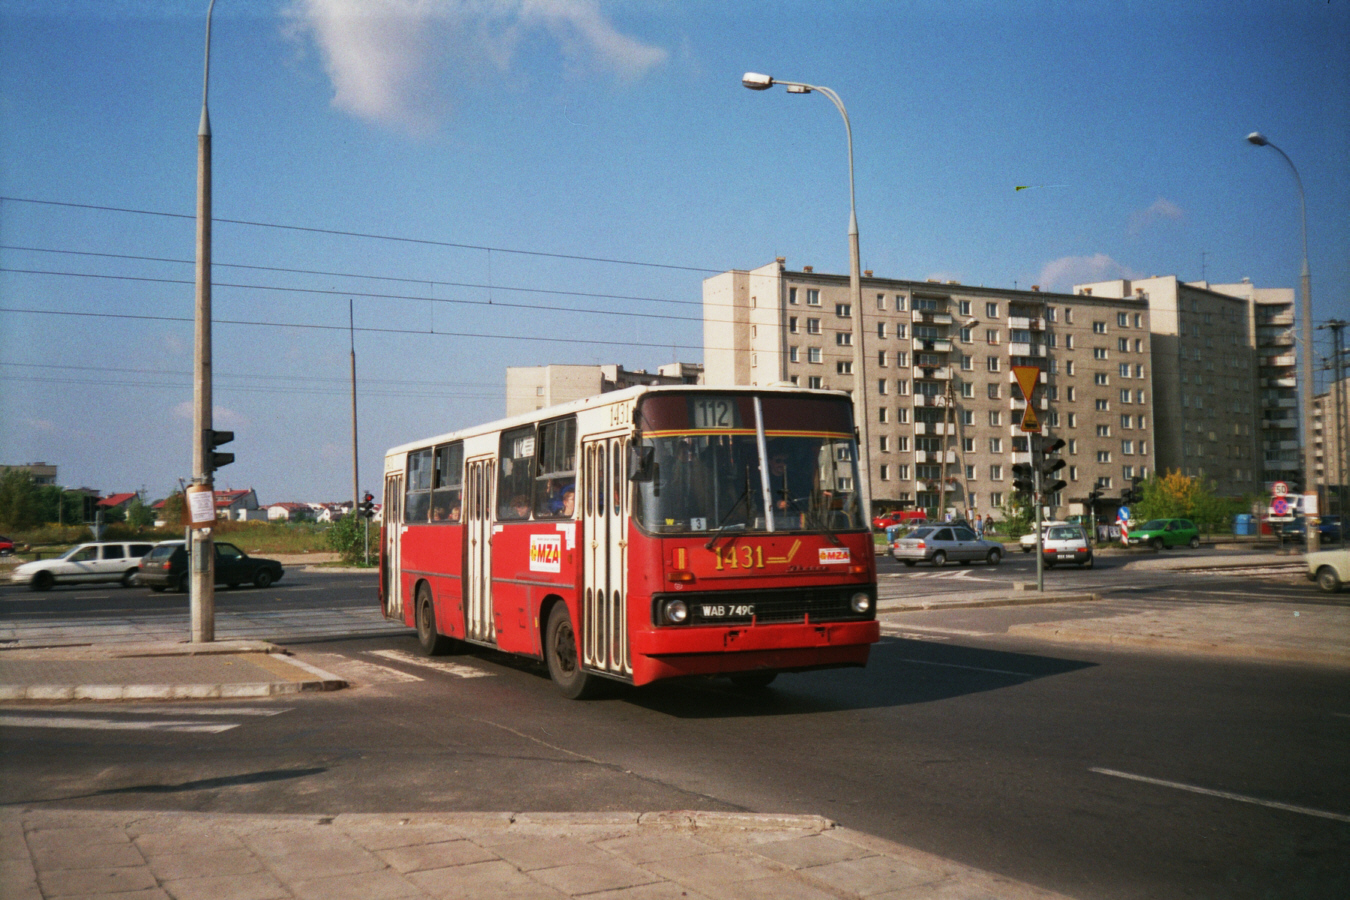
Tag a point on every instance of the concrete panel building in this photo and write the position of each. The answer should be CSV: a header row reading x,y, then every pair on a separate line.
x,y
533,387
1136,376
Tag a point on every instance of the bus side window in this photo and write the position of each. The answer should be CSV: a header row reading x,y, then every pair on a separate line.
x,y
419,486
515,474
447,490
556,470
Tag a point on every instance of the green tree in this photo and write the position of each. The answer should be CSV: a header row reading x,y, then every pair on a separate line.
x,y
20,500
1018,514
175,511
348,538
1177,496
139,515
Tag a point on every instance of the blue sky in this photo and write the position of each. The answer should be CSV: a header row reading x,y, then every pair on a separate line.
x,y
560,175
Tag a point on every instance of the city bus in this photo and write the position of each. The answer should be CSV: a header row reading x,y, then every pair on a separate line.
x,y
639,535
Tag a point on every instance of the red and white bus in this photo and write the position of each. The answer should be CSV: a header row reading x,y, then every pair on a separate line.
x,y
643,534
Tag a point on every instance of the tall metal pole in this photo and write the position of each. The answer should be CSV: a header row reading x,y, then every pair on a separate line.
x,y
356,473
1305,288
757,82
203,563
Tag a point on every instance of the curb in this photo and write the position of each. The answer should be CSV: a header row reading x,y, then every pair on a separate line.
x,y
1033,600
1181,645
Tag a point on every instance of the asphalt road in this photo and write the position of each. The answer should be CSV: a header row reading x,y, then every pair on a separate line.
x,y
1016,757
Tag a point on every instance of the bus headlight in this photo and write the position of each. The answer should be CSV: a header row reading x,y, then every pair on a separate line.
x,y
675,612
860,602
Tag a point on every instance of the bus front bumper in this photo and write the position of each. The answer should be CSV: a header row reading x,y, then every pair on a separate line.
x,y
672,652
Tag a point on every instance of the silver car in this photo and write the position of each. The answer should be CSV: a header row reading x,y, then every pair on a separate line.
x,y
939,543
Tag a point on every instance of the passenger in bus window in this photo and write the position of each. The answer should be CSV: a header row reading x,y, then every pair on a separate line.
x,y
454,514
520,507
569,500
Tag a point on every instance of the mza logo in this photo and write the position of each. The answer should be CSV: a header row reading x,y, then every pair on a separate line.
x,y
834,556
546,553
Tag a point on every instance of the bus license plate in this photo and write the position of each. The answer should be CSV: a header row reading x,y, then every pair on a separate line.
x,y
726,610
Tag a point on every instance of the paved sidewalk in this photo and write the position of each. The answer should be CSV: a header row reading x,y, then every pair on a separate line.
x,y
522,856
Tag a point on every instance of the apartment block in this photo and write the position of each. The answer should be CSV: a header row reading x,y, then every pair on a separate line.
x,y
533,387
1331,442
944,407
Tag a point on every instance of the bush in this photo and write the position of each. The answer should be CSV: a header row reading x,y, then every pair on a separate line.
x,y
348,537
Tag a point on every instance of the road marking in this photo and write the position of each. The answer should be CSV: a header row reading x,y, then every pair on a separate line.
x,y
448,668
896,629
1226,795
927,662
114,724
215,711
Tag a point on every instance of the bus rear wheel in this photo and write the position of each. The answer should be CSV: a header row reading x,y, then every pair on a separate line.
x,y
431,643
564,664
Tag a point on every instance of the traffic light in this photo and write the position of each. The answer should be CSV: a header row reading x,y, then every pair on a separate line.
x,y
367,508
215,439
1094,496
1024,479
1133,493
1048,467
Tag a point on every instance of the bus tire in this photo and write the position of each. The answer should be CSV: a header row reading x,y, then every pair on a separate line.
x,y
564,664
431,643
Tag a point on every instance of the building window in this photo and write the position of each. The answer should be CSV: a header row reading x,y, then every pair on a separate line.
x,y
1122,319
1050,314
812,297
843,367
843,310
968,444
1139,398
902,472
965,335
968,389
1068,315
970,473
995,473
1139,371
993,390
1123,345
1102,405
1099,353
900,330
963,306
991,363
1103,456
883,415
1125,395
885,473
843,338
899,302
967,363
1103,431
1101,378
881,385
792,325
1068,368
1127,448
881,329
1125,421
1073,420
967,417
884,444
991,336
1068,342
813,326
995,417
881,358
793,355
792,296
1073,446
902,444
996,445
902,415
902,387
813,354
1073,473
795,380
1124,370
813,382
1073,394
996,499
1052,419
1099,328
881,302
991,310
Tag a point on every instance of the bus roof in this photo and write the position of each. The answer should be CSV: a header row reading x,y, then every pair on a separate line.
x,y
605,399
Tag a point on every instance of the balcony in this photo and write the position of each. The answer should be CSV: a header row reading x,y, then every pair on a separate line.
x,y
1287,359
1030,323
931,373
934,456
941,345
934,428
1290,423
1284,318
1268,338
1019,458
1019,348
1279,445
930,400
1283,403
928,317
1282,465
1279,382
1017,403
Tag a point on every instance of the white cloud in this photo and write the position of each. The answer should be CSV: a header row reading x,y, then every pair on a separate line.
x,y
1062,274
384,57
1160,210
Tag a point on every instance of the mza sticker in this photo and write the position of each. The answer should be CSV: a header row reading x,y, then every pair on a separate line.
x,y
546,553
834,556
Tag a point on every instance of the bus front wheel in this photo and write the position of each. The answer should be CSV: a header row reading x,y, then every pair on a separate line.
x,y
431,643
564,664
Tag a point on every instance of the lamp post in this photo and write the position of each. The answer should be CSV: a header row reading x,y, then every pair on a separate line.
x,y
1305,288
203,557
757,82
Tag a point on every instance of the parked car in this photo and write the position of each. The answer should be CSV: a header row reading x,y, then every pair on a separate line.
x,y
166,566
1330,569
1064,544
910,517
1028,541
1160,533
1328,527
6,546
939,543
91,562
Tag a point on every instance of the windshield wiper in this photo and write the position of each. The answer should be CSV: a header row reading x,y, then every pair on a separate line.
x,y
723,528
811,516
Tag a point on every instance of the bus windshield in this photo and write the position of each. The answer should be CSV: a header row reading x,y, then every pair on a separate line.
x,y
708,475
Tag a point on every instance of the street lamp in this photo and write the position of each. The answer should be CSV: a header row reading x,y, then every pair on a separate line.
x,y
202,602
757,82
1305,288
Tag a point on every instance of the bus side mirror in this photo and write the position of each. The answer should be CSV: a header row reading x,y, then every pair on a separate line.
x,y
641,462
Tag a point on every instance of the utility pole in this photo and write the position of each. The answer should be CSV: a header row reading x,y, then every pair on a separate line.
x,y
356,474
1337,397
202,581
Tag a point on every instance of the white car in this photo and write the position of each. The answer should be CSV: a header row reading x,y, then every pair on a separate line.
x,y
1330,569
83,563
1028,541
1066,544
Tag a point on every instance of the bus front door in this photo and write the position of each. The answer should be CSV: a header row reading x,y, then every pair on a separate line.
x,y
480,485
391,571
604,626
